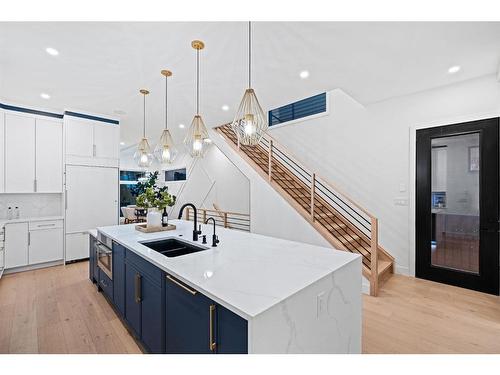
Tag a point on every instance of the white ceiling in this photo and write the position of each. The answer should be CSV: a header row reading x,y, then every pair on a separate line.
x,y
102,66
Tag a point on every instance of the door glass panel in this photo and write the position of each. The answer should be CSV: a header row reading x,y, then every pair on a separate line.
x,y
455,202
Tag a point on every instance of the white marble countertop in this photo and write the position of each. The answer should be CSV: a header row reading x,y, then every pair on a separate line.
x,y
27,219
247,273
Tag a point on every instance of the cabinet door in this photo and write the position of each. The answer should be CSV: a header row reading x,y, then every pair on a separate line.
x,y
45,245
119,277
132,301
2,153
107,140
19,154
152,317
77,246
79,137
49,151
16,245
232,332
187,320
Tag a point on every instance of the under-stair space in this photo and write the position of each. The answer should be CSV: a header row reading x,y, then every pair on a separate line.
x,y
339,219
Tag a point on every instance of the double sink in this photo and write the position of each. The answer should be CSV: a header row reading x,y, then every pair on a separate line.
x,y
172,247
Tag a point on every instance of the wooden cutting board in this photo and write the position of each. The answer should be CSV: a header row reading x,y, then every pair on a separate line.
x,y
144,228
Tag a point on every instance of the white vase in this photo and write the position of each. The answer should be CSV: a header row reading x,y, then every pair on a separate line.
x,y
153,218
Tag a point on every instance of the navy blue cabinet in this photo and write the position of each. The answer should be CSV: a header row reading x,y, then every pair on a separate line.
x,y
144,302
197,325
119,277
105,284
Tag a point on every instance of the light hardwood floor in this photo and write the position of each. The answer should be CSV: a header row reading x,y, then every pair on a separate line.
x,y
58,310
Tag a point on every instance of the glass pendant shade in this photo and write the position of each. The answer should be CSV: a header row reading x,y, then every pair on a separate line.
x,y
196,138
165,150
250,122
143,156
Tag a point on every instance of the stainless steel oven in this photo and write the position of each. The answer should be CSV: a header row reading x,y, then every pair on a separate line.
x,y
105,255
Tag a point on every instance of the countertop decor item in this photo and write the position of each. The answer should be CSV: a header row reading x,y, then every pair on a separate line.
x,y
165,150
250,122
143,156
150,195
197,139
144,228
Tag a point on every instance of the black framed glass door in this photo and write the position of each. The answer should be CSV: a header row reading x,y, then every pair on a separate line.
x,y
457,197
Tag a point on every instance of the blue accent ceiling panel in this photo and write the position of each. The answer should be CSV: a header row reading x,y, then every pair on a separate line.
x,y
302,108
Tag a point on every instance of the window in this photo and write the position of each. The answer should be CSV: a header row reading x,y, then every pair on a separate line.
x,y
128,180
303,108
175,175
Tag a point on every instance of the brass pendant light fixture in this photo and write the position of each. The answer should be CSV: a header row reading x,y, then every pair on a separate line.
x,y
197,140
143,156
165,150
250,122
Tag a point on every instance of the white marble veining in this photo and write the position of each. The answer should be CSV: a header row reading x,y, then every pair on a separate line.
x,y
31,205
247,273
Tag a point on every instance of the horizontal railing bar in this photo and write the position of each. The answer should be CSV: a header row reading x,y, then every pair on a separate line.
x,y
292,161
320,189
284,163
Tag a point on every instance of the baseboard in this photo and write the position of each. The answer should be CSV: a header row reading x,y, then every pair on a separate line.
x,y
401,270
365,286
33,267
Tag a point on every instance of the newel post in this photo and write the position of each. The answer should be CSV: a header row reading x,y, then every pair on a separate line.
x,y
270,159
374,257
313,191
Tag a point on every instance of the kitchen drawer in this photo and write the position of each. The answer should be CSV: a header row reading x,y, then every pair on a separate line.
x,y
45,224
106,284
146,268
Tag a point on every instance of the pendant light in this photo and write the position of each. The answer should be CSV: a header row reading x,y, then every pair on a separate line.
x,y
165,150
250,122
197,140
143,156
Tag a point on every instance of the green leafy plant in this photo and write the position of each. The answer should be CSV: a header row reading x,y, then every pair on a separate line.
x,y
150,195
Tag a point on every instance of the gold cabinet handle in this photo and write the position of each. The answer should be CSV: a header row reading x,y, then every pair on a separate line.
x,y
193,292
138,287
212,345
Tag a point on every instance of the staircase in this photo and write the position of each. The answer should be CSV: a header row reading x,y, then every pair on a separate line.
x,y
341,221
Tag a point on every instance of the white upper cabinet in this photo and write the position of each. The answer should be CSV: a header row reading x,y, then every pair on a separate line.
x,y
79,137
49,156
33,154
106,141
91,142
2,153
19,154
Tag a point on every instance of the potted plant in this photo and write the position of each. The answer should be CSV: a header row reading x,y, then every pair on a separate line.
x,y
154,199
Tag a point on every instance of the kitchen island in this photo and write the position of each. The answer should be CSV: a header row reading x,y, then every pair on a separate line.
x,y
250,294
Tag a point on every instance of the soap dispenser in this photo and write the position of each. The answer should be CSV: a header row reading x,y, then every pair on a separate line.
x,y
9,213
16,213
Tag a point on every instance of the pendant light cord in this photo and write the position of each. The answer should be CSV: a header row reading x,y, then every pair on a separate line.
x,y
166,102
197,81
144,118
249,54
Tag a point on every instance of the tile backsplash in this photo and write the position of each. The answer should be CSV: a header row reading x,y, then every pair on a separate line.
x,y
32,205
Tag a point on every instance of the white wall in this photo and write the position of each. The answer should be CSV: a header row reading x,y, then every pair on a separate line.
x,y
213,179
369,151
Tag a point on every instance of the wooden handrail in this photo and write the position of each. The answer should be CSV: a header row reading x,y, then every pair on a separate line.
x,y
374,257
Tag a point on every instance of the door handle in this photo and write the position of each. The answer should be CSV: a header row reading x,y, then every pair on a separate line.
x,y
138,294
193,292
212,344
66,200
29,238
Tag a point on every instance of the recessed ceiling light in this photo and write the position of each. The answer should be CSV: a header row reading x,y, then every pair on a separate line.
x,y
122,143
304,74
52,51
454,69
208,140
181,126
44,95
225,107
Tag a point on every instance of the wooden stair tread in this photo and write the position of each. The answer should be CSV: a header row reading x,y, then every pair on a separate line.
x,y
383,266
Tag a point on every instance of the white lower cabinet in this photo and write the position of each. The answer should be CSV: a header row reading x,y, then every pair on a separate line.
x,y
16,244
77,246
45,242
33,243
